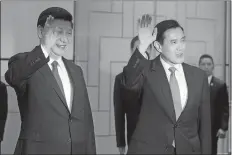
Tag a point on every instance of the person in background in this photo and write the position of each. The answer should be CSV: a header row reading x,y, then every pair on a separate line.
x,y
125,105
219,100
3,110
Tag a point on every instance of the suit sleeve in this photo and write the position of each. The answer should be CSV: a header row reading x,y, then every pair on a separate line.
x,y
3,109
89,126
224,103
119,114
21,66
134,74
205,119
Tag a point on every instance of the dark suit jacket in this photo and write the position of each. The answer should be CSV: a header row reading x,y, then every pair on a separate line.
x,y
47,125
157,125
219,105
3,108
126,103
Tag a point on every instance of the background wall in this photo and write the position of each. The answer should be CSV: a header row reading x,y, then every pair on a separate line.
x,y
103,31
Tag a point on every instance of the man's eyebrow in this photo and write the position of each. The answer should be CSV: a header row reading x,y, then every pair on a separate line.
x,y
184,37
173,39
57,27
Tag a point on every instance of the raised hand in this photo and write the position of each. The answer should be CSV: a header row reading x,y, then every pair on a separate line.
x,y
50,38
146,32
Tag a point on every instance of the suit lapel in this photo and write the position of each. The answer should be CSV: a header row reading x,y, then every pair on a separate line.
x,y
158,74
48,75
160,85
212,88
77,91
46,71
190,80
212,83
71,75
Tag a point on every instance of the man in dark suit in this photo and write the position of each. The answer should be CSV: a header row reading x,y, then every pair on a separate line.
x,y
3,110
52,96
175,111
219,100
125,104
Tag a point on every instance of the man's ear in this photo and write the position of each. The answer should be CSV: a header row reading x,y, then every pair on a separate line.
x,y
157,46
40,32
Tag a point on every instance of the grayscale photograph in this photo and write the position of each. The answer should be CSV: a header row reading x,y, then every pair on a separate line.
x,y
115,77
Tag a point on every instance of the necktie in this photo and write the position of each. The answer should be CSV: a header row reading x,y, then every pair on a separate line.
x,y
175,92
57,76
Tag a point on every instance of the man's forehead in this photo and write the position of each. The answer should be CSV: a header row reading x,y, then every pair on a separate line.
x,y
61,24
206,60
174,33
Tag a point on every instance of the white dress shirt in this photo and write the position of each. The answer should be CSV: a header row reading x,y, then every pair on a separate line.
x,y
63,76
210,78
179,73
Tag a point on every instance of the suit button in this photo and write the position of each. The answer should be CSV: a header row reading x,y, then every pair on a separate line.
x,y
70,120
166,148
69,140
175,125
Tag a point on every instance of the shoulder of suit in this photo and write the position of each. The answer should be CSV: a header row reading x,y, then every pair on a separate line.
x,y
2,84
218,81
77,67
118,76
23,54
20,55
194,69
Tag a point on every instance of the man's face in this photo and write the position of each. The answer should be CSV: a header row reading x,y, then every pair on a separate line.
x,y
173,47
207,65
58,35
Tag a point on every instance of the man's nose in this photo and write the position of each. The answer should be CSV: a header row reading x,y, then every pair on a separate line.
x,y
65,38
207,67
181,46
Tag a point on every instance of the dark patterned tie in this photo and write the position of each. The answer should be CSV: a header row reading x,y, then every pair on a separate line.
x,y
57,76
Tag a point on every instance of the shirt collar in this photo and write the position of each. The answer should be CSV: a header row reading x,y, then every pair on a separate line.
x,y
210,78
167,66
59,60
44,51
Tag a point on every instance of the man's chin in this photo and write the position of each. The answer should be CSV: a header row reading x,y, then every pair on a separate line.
x,y
180,61
58,53
208,73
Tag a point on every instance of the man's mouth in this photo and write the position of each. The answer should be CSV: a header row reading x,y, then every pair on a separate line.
x,y
61,46
179,54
